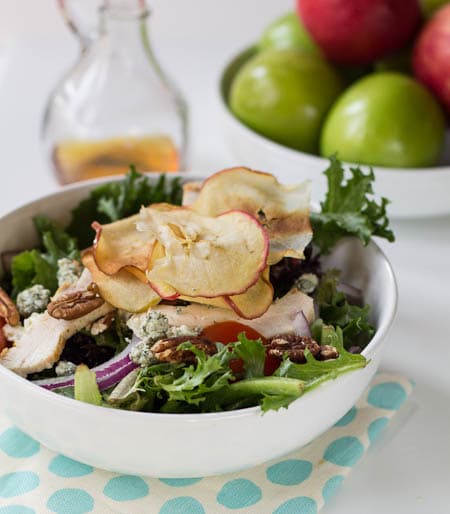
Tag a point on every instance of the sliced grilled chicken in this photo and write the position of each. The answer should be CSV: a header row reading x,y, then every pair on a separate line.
x,y
39,343
278,319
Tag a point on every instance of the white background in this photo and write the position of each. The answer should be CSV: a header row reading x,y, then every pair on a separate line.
x,y
408,469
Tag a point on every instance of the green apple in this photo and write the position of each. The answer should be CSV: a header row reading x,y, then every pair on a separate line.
x,y
385,119
288,32
285,95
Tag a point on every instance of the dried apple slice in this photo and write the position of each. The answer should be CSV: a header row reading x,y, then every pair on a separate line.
x,y
190,192
255,301
204,256
119,245
282,210
122,290
219,301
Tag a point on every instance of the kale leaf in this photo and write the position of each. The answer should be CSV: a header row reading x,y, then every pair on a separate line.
x,y
116,200
349,209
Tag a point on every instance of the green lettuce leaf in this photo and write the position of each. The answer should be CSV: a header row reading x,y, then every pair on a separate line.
x,y
334,309
272,392
33,267
349,209
315,372
252,353
29,268
196,381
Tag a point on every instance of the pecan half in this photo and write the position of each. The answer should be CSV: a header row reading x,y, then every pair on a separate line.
x,y
294,346
8,309
328,352
74,305
165,350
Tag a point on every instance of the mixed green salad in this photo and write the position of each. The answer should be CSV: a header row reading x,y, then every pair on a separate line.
x,y
104,315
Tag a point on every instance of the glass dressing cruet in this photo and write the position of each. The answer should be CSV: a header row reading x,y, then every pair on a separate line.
x,y
115,107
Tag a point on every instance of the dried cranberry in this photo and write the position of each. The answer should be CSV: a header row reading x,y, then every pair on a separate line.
x,y
82,349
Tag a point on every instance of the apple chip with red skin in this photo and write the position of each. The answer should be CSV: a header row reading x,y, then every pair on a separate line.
x,y
122,290
119,245
249,305
282,210
204,256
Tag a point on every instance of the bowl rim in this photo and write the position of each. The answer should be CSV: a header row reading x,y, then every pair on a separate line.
x,y
291,152
70,403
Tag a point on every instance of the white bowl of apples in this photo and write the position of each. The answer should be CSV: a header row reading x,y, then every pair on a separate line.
x,y
285,105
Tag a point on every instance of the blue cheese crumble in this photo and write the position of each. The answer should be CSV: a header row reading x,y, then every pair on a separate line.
x,y
307,283
142,354
151,327
69,271
65,368
33,299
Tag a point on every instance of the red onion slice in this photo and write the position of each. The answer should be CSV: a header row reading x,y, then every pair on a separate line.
x,y
108,374
301,325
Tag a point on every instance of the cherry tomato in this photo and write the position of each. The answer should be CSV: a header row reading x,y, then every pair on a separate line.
x,y
270,365
227,332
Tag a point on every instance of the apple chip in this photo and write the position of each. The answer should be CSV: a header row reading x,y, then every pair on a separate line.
x,y
119,245
255,301
219,301
190,192
249,305
282,210
204,256
122,290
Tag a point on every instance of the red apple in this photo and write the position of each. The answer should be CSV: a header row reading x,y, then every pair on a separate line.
x,y
431,56
359,31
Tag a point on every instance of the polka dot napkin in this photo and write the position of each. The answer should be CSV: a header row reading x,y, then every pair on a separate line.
x,y
34,480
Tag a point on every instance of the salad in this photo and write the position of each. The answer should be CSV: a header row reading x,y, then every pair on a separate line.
x,y
202,297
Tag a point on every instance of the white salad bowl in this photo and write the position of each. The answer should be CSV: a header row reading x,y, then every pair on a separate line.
x,y
413,192
190,445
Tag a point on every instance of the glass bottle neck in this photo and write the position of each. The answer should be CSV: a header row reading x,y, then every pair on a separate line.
x,y
123,22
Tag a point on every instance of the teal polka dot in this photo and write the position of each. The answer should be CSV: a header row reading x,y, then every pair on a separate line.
x,y
376,427
16,509
68,468
15,484
182,505
345,451
347,418
239,493
125,488
299,505
331,486
179,482
17,444
70,501
289,472
388,395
